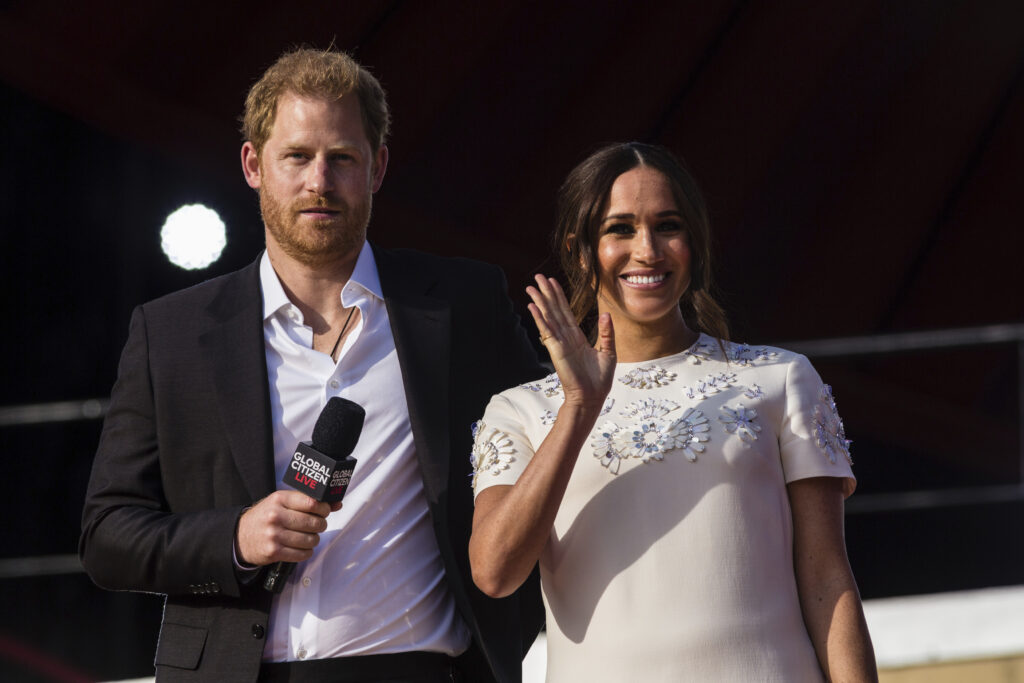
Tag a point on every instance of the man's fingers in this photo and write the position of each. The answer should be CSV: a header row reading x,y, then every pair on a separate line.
x,y
283,527
300,502
268,543
296,540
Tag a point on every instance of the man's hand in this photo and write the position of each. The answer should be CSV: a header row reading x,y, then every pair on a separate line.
x,y
283,527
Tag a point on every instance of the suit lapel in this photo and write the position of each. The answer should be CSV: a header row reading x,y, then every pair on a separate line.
x,y
421,326
233,349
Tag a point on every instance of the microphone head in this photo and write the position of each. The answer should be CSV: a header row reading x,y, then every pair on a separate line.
x,y
338,427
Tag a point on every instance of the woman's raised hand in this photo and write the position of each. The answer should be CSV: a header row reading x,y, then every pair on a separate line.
x,y
586,371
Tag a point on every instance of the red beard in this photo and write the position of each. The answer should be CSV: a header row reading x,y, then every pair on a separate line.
x,y
315,242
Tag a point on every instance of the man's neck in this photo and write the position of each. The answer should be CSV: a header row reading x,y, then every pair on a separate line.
x,y
314,288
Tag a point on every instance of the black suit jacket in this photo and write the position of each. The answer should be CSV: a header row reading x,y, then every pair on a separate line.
x,y
187,445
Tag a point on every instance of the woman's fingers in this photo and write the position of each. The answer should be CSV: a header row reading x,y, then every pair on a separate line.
x,y
542,308
551,303
541,295
559,311
605,335
538,318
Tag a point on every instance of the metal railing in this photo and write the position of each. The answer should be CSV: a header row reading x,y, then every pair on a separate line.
x,y
908,342
843,347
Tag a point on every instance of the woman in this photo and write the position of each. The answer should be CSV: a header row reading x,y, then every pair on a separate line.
x,y
683,494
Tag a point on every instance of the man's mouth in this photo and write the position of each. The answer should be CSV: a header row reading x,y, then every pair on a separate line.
x,y
319,212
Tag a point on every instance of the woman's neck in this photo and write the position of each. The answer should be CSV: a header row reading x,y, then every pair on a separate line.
x,y
635,342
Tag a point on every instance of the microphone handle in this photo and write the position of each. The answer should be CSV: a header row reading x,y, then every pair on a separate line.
x,y
277,576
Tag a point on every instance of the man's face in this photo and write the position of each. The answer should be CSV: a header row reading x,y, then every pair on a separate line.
x,y
316,177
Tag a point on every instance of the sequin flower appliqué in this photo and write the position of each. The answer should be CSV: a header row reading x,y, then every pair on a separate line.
x,y
652,433
492,451
740,421
649,377
829,433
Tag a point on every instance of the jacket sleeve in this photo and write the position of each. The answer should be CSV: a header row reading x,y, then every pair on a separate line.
x,y
131,538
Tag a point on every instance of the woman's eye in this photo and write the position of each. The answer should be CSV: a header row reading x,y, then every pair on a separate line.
x,y
620,229
669,226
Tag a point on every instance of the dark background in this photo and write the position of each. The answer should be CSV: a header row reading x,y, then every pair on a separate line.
x,y
863,163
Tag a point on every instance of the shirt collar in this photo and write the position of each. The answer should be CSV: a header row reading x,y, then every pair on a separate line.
x,y
364,276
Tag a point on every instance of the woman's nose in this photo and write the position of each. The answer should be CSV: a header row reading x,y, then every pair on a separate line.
x,y
646,248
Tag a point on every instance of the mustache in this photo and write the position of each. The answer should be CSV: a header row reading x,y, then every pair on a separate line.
x,y
320,202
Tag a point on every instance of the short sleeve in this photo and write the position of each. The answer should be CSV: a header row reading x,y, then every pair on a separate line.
x,y
501,447
813,441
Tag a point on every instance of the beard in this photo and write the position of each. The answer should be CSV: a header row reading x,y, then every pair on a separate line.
x,y
316,243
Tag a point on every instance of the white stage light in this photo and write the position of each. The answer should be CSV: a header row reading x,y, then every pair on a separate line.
x,y
193,237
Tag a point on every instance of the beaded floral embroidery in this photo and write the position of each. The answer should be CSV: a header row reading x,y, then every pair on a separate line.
x,y
650,439
607,408
740,421
606,448
550,385
700,352
652,436
712,384
754,391
829,433
492,450
744,355
647,378
691,432
648,408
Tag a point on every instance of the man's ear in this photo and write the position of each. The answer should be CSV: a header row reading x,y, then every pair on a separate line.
x,y
251,166
380,167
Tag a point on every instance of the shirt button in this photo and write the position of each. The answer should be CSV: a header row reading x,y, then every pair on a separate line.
x,y
301,654
306,581
257,631
335,384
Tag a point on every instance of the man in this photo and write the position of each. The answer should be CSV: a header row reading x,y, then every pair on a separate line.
x,y
218,383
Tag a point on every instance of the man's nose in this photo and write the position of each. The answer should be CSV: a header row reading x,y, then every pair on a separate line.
x,y
318,177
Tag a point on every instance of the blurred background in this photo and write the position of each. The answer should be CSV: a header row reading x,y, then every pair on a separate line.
x,y
863,163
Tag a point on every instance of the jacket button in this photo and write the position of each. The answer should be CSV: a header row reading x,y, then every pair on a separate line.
x,y
257,631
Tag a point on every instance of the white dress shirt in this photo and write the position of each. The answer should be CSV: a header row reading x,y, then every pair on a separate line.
x,y
376,581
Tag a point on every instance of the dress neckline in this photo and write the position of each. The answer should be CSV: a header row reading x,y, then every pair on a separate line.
x,y
690,350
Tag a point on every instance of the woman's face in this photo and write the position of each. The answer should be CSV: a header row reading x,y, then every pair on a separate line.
x,y
643,251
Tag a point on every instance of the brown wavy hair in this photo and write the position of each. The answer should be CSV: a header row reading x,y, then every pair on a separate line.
x,y
582,203
326,74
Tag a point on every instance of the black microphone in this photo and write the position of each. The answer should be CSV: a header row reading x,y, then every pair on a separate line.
x,y
322,468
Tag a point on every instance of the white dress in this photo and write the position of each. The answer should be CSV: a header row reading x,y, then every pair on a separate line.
x,y
670,558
